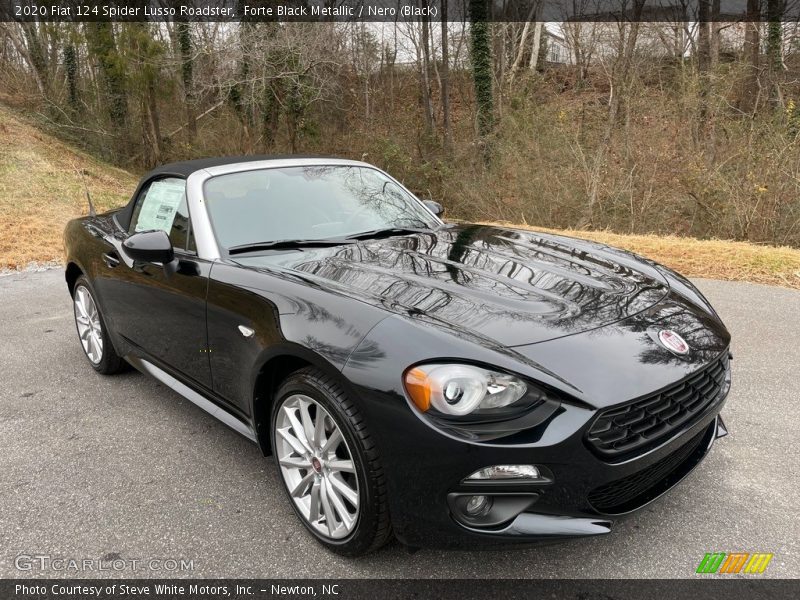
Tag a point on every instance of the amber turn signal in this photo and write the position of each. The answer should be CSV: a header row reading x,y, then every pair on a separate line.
x,y
419,388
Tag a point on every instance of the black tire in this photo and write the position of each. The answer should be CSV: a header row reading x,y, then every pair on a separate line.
x,y
373,526
110,362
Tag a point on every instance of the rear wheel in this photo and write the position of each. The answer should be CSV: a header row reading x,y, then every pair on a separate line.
x,y
92,331
329,464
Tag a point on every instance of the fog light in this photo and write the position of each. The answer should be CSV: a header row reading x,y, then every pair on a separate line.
x,y
500,472
478,506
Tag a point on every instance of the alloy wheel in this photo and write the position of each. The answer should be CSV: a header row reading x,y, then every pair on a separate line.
x,y
317,466
90,330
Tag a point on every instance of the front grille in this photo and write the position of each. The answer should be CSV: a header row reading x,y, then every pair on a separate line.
x,y
646,422
621,495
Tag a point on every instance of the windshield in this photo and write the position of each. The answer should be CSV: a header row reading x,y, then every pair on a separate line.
x,y
308,203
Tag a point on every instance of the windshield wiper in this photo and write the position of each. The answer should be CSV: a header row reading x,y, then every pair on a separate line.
x,y
385,232
284,244
324,242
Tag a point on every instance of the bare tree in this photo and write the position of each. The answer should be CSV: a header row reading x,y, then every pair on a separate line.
x,y
523,42
481,54
185,47
748,99
444,78
425,75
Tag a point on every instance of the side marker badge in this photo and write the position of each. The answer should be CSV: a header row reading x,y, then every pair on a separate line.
x,y
246,331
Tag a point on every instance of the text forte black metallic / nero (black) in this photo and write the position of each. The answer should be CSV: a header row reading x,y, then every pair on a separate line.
x,y
447,384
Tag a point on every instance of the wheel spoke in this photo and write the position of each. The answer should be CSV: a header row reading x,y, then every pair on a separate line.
x,y
301,489
295,462
333,441
98,345
308,425
296,444
80,303
341,465
92,347
338,505
297,429
319,426
314,506
327,509
340,487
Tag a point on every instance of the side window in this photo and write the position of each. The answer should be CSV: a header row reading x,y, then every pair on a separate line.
x,y
162,205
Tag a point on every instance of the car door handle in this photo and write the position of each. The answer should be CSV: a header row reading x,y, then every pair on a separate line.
x,y
111,259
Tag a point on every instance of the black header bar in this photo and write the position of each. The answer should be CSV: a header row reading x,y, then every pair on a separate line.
x,y
665,11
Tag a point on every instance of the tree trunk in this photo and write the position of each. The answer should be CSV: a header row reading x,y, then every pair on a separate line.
x,y
102,45
425,79
35,53
775,10
364,55
481,65
536,46
705,135
445,81
270,118
625,75
238,92
748,101
187,68
523,43
704,125
71,68
153,120
714,32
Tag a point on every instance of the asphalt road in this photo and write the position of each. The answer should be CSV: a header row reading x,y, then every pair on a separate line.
x,y
121,467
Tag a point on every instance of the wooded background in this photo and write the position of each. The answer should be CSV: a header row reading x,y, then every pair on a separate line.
x,y
668,127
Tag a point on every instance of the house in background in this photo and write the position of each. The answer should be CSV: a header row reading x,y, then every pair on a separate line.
x,y
557,50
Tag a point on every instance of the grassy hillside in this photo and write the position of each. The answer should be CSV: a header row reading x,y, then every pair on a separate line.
x,y
42,187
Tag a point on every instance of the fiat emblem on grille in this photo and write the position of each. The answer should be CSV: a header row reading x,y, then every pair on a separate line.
x,y
673,342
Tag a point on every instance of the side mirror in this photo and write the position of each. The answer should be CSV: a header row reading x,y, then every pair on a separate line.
x,y
149,246
434,207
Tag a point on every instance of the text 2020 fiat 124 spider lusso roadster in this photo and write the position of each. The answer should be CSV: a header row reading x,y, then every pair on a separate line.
x,y
449,384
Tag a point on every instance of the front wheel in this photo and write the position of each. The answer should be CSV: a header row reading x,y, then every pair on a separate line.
x,y
329,464
92,331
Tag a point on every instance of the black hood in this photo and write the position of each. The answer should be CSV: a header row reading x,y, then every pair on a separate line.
x,y
509,286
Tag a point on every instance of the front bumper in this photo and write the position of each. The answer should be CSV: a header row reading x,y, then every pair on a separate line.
x,y
536,526
431,471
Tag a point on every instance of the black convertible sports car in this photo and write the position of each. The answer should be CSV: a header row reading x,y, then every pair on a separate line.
x,y
448,384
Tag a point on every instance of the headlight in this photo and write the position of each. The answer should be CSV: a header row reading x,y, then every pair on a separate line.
x,y
460,390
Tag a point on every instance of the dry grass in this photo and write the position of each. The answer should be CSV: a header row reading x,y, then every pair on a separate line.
x,y
713,259
42,187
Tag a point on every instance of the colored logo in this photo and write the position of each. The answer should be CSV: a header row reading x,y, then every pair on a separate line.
x,y
673,342
734,562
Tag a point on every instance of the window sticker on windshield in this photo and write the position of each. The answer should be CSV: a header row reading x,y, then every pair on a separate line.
x,y
160,206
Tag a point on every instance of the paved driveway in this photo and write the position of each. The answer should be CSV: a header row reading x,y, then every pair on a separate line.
x,y
104,467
